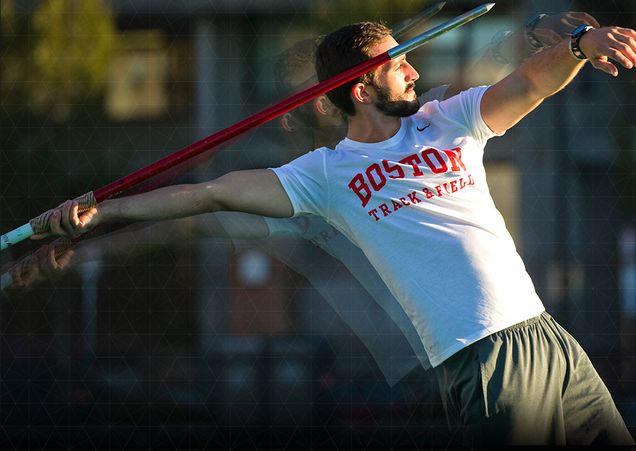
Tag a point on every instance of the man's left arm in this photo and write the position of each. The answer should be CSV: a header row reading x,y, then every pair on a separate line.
x,y
546,73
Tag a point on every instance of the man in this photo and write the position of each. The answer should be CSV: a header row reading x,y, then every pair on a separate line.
x,y
407,186
391,340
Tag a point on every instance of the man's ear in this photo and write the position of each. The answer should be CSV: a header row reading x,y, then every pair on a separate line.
x,y
323,106
360,93
286,122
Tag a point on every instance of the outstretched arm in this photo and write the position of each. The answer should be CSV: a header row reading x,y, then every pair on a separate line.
x,y
508,48
256,191
544,74
46,264
53,260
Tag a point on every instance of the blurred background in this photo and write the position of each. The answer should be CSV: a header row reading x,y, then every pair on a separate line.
x,y
211,342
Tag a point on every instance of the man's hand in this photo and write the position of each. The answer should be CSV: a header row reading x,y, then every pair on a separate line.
x,y
546,73
552,28
615,43
256,191
508,48
66,221
48,263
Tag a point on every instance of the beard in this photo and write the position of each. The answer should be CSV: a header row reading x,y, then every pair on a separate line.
x,y
396,108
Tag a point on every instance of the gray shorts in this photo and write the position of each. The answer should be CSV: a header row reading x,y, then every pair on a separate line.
x,y
529,384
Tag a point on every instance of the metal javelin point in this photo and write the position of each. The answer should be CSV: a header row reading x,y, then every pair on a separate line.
x,y
440,30
410,23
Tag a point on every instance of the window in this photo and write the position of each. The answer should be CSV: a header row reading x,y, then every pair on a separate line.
x,y
150,76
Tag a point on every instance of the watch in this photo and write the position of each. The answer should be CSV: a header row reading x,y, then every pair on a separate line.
x,y
495,48
532,38
575,39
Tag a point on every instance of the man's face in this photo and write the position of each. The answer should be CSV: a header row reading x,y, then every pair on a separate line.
x,y
394,83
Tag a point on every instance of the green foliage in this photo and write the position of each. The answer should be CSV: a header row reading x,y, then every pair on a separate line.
x,y
329,15
7,16
14,67
58,56
76,40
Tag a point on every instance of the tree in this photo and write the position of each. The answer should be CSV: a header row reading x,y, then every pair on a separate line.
x,y
57,57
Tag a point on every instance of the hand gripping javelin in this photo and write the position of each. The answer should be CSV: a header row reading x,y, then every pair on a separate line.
x,y
40,224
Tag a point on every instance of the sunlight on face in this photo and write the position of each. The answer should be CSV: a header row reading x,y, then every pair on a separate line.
x,y
394,83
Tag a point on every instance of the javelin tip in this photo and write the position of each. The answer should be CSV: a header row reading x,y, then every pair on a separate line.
x,y
488,6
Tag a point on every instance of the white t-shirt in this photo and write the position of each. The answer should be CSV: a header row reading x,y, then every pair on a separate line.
x,y
386,332
371,312
418,206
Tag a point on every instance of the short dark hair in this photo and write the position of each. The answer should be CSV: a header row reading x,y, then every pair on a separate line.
x,y
294,70
343,49
291,66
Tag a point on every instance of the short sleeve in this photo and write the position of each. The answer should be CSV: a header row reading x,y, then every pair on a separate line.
x,y
464,109
305,182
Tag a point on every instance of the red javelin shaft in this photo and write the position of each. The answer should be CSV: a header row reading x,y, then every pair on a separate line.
x,y
263,116
41,223
282,107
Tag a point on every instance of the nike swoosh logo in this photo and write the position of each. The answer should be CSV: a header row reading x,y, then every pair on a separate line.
x,y
423,128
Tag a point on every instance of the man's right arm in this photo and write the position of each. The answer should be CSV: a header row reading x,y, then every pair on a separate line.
x,y
255,191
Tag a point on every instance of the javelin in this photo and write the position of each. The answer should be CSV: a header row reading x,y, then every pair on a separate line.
x,y
406,25
40,224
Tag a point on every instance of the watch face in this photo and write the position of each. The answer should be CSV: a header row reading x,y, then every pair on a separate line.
x,y
580,29
574,41
530,36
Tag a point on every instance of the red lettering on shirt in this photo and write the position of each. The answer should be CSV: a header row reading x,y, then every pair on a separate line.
x,y
413,198
413,160
381,179
360,188
455,158
396,205
434,160
390,168
440,190
376,175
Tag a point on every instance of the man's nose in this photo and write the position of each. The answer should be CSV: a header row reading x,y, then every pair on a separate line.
x,y
412,74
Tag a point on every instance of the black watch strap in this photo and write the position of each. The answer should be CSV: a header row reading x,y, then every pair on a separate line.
x,y
532,38
575,39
